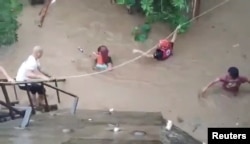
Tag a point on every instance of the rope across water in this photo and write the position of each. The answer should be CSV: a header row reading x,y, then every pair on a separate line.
x,y
140,56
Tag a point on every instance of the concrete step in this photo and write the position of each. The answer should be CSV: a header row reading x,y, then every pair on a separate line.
x,y
4,116
96,127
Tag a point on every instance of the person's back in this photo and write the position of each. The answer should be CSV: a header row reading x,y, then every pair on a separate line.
x,y
164,50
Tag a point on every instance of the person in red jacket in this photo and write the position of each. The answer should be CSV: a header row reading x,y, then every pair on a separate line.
x,y
102,59
231,82
164,49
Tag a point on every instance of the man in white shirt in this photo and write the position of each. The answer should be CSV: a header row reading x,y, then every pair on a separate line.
x,y
30,70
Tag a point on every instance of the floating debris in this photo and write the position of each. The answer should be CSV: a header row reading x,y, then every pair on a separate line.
x,y
180,120
53,1
111,110
19,128
80,49
237,124
67,130
196,127
52,114
169,125
116,129
89,119
111,125
236,45
139,133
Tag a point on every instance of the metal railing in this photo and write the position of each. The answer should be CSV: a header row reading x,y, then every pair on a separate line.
x,y
22,112
10,105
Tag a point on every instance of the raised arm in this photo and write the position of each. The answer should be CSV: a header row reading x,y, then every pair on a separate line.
x,y
245,80
3,71
175,33
217,80
43,72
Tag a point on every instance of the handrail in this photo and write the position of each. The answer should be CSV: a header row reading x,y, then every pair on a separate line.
x,y
30,81
70,94
44,83
76,98
25,114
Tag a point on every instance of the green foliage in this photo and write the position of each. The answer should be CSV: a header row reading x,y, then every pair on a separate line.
x,y
9,10
172,12
126,2
141,32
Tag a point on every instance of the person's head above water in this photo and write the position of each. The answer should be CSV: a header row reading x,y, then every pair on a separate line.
x,y
104,52
164,43
37,52
233,72
102,49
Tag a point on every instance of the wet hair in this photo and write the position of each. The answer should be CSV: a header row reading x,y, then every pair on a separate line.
x,y
158,54
104,52
233,72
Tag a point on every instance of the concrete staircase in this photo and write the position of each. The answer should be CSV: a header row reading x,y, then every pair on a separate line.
x,y
94,127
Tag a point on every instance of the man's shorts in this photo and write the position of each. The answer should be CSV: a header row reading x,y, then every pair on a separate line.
x,y
34,88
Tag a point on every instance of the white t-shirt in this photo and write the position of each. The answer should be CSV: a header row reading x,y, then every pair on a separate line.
x,y
31,64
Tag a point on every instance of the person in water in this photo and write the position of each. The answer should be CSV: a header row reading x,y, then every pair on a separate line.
x,y
164,49
231,82
102,59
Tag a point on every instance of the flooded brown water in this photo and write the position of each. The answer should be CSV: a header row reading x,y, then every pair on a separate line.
x,y
170,87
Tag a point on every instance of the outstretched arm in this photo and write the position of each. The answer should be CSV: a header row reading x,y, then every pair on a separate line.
x,y
43,72
2,70
245,80
217,80
175,33
248,80
143,53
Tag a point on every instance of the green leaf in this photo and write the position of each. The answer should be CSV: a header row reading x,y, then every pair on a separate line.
x,y
181,4
147,6
126,2
141,37
141,32
172,12
9,10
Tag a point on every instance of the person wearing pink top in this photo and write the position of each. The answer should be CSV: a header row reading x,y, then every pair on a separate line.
x,y
231,82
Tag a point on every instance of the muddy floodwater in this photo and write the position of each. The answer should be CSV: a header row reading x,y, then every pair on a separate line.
x,y
216,41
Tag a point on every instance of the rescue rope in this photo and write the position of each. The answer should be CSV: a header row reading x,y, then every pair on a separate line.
x,y
140,56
